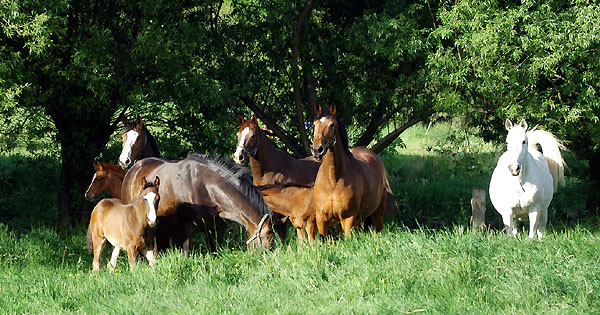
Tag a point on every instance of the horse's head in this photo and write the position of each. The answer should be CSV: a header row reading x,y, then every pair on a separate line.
x,y
247,139
516,145
99,182
151,199
134,138
262,237
325,131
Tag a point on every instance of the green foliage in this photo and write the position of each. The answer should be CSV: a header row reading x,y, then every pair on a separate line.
x,y
448,271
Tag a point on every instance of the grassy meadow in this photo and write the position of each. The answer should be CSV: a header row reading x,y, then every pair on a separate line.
x,y
425,260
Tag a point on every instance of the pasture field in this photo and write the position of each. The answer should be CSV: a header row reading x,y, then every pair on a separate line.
x,y
424,261
397,271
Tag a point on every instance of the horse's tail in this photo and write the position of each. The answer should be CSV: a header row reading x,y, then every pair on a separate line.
x,y
392,205
551,148
88,238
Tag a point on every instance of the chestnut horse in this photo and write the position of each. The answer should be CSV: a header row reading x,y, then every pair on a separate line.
x,y
350,186
271,166
125,226
296,203
107,177
208,189
138,143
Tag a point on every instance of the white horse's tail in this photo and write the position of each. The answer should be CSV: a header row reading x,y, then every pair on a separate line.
x,y
551,148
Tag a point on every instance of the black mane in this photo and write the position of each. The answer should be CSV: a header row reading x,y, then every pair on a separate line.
x,y
237,175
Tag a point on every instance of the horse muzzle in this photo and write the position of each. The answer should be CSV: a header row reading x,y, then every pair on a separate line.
x,y
318,152
240,158
89,197
515,170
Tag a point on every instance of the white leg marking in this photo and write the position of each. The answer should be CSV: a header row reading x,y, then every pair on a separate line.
x,y
113,258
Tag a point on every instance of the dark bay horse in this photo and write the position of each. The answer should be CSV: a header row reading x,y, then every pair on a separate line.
x,y
125,225
207,189
350,186
107,177
138,143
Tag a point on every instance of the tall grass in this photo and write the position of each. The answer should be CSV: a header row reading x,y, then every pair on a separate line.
x,y
397,271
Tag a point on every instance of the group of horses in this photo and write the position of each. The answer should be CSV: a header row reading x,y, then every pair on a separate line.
x,y
337,185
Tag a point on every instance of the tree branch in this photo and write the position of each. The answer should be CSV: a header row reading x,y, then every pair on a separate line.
x,y
296,79
271,124
387,140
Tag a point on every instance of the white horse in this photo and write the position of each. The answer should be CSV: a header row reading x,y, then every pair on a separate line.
x,y
524,180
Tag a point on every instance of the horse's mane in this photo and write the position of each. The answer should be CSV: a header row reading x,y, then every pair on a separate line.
x,y
341,127
237,175
149,136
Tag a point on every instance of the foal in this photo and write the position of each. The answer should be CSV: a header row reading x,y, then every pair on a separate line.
x,y
125,226
107,177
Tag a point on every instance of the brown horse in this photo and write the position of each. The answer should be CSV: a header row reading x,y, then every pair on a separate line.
x,y
350,186
138,143
125,225
107,177
297,204
271,166
208,189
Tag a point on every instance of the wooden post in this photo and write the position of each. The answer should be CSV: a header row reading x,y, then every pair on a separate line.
x,y
478,209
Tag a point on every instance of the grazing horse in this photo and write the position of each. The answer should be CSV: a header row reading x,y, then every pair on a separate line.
x,y
125,226
207,189
349,186
107,177
138,143
525,180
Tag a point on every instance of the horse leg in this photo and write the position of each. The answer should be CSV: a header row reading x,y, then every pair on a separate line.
x,y
113,258
534,223
347,224
509,225
310,230
543,220
98,246
190,229
323,227
132,255
150,254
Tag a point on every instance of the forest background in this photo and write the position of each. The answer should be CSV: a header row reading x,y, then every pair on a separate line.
x,y
70,69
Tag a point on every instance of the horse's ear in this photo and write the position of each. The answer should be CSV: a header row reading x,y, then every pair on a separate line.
x,y
318,109
139,122
125,121
508,124
144,182
156,182
332,109
240,120
254,120
523,124
97,166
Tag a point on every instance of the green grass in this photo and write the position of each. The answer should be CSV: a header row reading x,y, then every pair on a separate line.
x,y
423,262
396,271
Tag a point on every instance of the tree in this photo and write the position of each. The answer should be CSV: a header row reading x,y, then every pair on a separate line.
x,y
539,61
83,64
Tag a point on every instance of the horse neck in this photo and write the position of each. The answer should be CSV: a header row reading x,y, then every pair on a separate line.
x,y
260,163
337,157
116,182
150,149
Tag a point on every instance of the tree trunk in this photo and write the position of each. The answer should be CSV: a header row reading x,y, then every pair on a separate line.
x,y
593,201
296,78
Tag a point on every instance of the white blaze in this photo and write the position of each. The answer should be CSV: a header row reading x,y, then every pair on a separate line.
x,y
152,213
323,119
238,151
126,153
92,183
